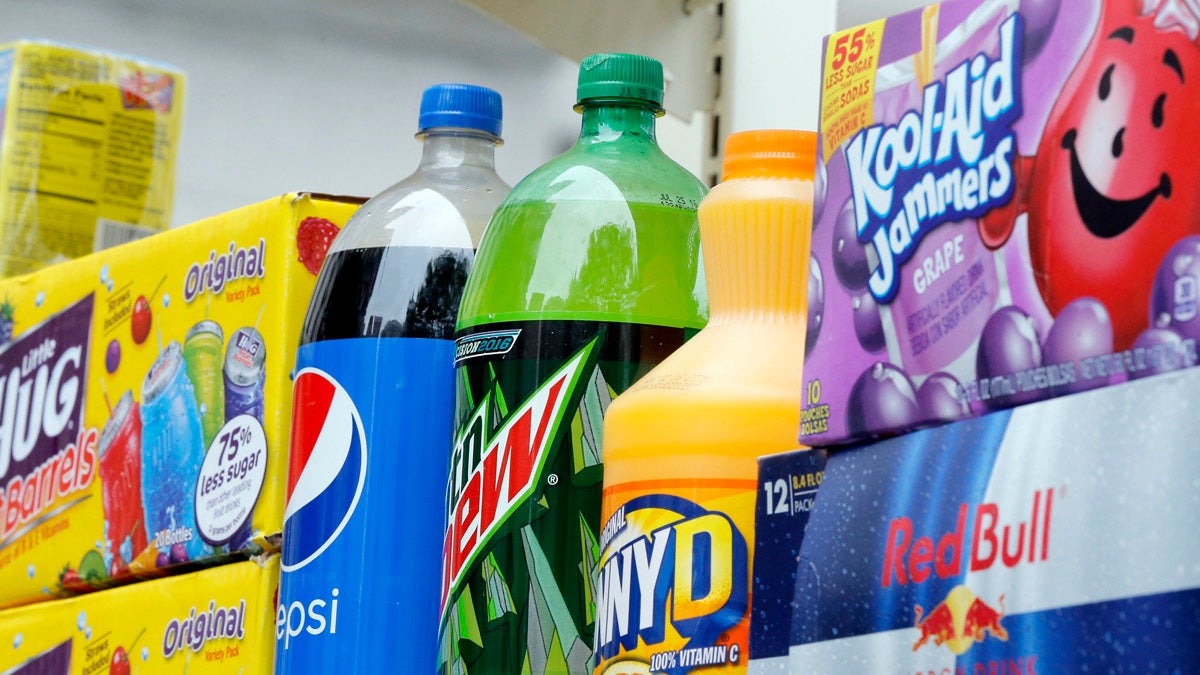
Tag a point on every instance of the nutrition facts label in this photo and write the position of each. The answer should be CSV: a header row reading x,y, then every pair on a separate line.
x,y
88,153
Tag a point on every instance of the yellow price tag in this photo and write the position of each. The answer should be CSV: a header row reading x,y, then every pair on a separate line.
x,y
848,84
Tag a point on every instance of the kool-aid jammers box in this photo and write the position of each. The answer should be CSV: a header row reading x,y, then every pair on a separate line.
x,y
1058,537
1008,213
219,620
145,398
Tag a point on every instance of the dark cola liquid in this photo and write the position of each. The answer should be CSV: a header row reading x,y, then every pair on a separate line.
x,y
409,291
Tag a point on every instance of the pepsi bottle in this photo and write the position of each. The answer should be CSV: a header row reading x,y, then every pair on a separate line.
x,y
373,404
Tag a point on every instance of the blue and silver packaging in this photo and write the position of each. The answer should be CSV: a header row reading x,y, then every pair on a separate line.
x,y
1052,538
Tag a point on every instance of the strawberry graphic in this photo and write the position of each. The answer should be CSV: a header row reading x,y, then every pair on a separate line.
x,y
68,580
313,237
6,321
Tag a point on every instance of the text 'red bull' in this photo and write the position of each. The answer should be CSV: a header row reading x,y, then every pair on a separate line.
x,y
908,560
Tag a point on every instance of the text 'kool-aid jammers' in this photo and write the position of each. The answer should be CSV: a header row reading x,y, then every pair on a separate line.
x,y
137,429
1008,218
1056,537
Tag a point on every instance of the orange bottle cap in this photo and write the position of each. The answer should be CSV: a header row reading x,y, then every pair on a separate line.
x,y
770,153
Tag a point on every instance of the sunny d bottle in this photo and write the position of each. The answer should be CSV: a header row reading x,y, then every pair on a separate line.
x,y
373,406
680,447
587,278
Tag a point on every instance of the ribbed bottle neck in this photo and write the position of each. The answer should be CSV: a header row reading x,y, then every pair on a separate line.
x,y
755,236
451,148
625,120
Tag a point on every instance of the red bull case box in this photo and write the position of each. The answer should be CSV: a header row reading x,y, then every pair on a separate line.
x,y
88,141
218,620
1058,537
145,398
1007,213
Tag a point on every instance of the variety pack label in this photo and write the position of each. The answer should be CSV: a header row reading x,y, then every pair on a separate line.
x,y
1052,538
214,621
87,151
999,216
144,398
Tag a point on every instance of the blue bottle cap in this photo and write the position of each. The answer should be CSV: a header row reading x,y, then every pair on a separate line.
x,y
464,106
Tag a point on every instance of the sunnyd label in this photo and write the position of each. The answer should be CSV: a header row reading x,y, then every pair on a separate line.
x,y
521,553
673,588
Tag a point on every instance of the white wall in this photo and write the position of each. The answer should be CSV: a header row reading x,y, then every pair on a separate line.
x,y
854,12
322,95
315,94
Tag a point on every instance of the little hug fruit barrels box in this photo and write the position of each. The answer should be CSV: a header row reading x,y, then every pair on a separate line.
x,y
1008,211
1057,537
215,621
145,398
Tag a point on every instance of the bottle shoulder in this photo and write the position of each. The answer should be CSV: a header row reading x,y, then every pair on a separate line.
x,y
639,173
439,208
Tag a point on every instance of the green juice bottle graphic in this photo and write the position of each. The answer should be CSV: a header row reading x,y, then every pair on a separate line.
x,y
586,278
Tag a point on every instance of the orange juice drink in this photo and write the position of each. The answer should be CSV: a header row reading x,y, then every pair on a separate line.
x,y
680,447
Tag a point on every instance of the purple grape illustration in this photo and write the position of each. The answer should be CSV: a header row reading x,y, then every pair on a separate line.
x,y
939,401
849,257
178,554
816,305
1040,16
6,321
868,324
162,559
820,188
1175,298
1163,352
1008,345
1080,330
882,400
112,356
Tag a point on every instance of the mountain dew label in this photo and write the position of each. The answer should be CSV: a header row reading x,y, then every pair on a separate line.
x,y
521,553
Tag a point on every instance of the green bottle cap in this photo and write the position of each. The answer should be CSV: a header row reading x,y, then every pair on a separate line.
x,y
621,76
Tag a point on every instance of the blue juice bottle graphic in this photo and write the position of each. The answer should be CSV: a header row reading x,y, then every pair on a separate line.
x,y
172,455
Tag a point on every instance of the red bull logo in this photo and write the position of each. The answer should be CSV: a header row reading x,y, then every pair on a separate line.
x,y
911,559
959,621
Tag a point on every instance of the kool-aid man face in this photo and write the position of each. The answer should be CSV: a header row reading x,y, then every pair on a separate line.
x,y
1105,216
1115,169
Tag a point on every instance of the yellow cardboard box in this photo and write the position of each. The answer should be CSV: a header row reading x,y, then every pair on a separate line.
x,y
218,620
87,151
145,398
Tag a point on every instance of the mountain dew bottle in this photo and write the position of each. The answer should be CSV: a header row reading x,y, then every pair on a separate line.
x,y
586,278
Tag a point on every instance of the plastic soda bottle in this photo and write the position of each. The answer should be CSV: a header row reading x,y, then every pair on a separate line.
x,y
680,448
587,278
373,405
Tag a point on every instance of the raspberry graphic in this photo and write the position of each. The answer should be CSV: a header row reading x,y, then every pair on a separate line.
x,y
313,237
6,321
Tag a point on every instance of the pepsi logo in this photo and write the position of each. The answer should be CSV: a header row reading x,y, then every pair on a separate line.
x,y
327,467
